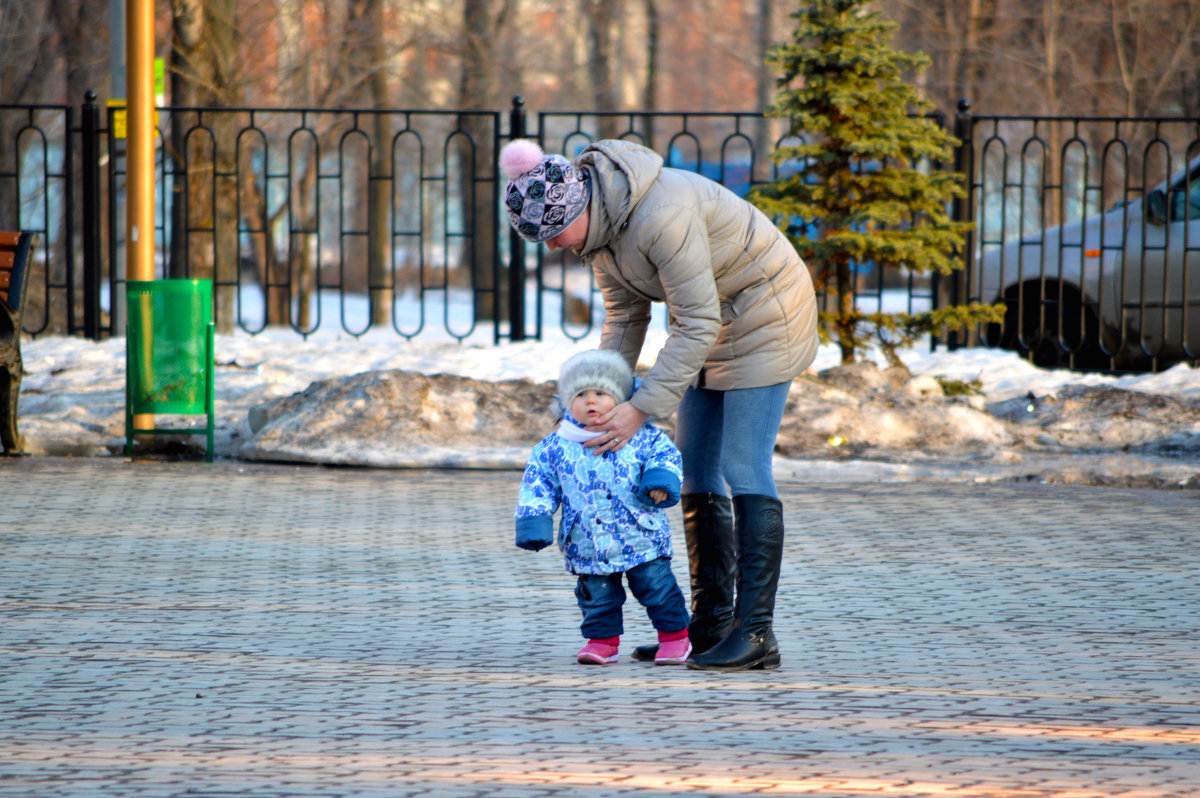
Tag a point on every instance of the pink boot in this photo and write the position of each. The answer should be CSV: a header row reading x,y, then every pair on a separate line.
x,y
673,648
599,652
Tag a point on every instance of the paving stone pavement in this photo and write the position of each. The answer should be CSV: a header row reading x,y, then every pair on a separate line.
x,y
183,629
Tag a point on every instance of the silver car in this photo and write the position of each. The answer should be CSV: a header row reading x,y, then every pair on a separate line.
x,y
1117,290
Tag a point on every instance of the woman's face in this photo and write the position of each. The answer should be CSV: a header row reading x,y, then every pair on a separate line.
x,y
573,236
591,404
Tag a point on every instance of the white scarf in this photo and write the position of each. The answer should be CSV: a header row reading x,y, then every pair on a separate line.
x,y
570,430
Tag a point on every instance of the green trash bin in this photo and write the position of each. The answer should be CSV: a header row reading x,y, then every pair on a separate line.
x,y
169,355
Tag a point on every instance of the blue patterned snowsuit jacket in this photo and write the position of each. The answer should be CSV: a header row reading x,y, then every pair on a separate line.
x,y
609,522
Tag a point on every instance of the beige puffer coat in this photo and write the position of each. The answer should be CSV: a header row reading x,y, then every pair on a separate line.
x,y
741,304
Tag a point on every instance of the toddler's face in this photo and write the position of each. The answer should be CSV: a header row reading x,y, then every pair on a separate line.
x,y
591,404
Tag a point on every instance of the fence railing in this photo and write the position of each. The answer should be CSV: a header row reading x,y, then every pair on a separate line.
x,y
1089,230
39,180
380,219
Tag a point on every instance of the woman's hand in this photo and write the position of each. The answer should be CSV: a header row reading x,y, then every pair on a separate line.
x,y
614,429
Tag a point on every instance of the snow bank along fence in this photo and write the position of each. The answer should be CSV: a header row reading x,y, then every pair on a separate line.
x,y
354,219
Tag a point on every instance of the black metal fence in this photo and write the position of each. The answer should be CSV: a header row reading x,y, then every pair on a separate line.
x,y
295,214
366,220
1089,230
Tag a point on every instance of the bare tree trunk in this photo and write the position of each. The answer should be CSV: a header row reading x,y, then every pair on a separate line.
x,y
294,77
650,87
966,57
844,281
187,31
222,47
1052,40
600,18
650,92
381,287
292,72
303,253
204,55
764,144
476,91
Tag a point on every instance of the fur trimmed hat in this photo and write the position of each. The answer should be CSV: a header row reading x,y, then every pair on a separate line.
x,y
598,369
545,193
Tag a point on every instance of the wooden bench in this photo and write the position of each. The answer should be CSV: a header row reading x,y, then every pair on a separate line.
x,y
16,250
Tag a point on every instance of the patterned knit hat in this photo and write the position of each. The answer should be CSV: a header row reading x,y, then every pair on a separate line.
x,y
598,369
545,193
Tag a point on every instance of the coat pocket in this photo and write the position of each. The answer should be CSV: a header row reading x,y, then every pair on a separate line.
x,y
650,521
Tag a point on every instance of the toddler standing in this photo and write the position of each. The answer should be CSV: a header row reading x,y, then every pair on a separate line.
x,y
614,519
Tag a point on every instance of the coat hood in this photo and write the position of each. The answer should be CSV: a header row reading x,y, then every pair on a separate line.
x,y
622,173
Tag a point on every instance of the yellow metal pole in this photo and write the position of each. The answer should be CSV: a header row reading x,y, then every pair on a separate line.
x,y
139,224
139,207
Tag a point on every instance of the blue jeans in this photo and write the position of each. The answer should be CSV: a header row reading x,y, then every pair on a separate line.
x,y
601,597
728,437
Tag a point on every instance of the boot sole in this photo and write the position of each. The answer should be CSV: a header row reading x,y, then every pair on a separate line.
x,y
764,664
593,660
679,660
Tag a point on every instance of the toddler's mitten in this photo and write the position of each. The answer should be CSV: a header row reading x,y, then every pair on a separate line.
x,y
655,478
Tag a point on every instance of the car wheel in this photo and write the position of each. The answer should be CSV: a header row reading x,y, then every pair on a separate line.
x,y
1041,333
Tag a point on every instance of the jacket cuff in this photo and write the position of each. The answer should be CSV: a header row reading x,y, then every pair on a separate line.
x,y
535,532
659,478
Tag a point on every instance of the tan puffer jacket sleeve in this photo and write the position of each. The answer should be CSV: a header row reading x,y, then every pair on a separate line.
x,y
675,248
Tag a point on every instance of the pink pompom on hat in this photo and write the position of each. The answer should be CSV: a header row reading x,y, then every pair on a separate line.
x,y
545,193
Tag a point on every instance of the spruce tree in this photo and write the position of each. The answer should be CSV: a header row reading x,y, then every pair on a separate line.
x,y
865,169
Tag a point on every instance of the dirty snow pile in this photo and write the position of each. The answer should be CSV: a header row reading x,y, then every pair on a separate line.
x,y
380,400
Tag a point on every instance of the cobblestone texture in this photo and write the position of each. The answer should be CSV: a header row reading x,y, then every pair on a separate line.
x,y
260,631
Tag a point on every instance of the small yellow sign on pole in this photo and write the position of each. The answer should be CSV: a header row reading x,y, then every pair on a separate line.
x,y
120,126
120,119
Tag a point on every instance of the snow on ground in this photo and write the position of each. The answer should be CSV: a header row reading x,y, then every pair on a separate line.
x,y
72,401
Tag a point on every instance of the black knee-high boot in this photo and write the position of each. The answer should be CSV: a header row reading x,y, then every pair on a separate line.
x,y
758,522
712,560
712,564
